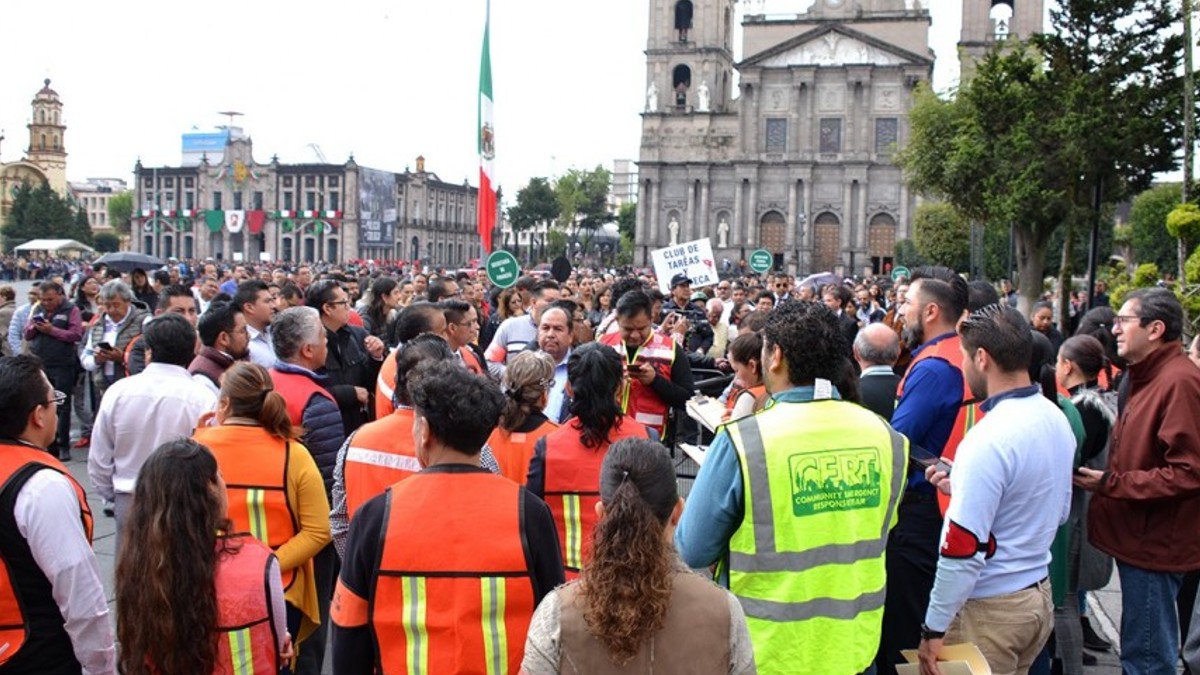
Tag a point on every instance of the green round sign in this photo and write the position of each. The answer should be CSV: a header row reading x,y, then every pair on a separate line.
x,y
503,269
762,261
899,272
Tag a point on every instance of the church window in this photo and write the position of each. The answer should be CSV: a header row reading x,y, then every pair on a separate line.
x,y
681,81
776,134
41,117
55,141
728,25
831,134
218,202
1001,16
886,135
42,146
683,19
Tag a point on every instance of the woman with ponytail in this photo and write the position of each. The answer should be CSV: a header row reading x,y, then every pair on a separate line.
x,y
527,381
565,468
274,489
185,583
637,608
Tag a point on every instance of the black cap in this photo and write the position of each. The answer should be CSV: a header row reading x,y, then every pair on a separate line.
x,y
680,279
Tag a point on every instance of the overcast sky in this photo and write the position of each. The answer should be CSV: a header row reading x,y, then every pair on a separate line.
x,y
386,80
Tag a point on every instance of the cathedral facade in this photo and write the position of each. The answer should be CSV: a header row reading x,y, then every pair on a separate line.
x,y
45,160
800,162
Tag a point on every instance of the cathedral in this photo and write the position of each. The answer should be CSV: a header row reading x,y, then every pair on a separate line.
x,y
800,162
46,156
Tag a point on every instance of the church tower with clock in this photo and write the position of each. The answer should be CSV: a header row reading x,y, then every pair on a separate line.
x,y
794,154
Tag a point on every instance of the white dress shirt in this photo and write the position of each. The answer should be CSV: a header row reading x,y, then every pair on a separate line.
x,y
136,415
261,350
47,515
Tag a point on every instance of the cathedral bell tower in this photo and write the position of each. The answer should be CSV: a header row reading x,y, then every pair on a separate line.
x,y
987,23
46,138
689,56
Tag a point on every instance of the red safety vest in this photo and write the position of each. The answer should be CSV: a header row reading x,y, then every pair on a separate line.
x,y
445,601
17,464
385,386
514,449
380,453
246,640
572,486
298,389
969,413
254,464
471,361
638,400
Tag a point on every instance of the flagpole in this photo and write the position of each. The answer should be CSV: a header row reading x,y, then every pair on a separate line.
x,y
485,206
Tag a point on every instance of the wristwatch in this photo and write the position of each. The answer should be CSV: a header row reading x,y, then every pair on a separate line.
x,y
928,633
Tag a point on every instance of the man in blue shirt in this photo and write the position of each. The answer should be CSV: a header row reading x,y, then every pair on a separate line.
x,y
930,396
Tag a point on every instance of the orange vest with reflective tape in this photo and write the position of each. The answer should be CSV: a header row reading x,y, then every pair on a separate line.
x,y
385,385
572,487
969,413
246,640
758,391
254,465
17,464
514,449
471,361
380,453
297,390
453,593
637,400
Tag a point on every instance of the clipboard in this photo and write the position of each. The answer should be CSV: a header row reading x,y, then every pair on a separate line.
x,y
707,411
960,659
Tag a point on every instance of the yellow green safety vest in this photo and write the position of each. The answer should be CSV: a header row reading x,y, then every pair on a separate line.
x,y
822,483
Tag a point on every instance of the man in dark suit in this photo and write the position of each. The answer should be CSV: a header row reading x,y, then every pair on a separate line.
x,y
838,298
876,348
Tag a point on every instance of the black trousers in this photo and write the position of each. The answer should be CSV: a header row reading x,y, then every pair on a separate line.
x,y
912,555
62,378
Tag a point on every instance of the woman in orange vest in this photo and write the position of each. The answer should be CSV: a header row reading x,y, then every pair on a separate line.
x,y
526,383
745,355
181,575
275,491
636,608
565,469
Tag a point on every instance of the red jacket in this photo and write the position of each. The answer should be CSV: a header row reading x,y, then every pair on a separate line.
x,y
1146,509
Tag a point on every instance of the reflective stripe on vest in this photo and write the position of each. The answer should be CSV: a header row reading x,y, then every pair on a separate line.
x,y
807,562
384,386
255,466
247,644
637,399
441,603
380,453
17,464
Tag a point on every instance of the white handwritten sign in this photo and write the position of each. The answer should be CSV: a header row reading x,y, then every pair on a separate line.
x,y
693,258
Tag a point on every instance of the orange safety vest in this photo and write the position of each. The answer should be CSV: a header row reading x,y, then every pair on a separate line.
x,y
379,453
297,390
446,601
572,486
637,399
255,465
470,360
514,449
246,640
736,391
969,413
17,464
385,386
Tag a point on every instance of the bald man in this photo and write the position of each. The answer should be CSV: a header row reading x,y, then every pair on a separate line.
x,y
876,348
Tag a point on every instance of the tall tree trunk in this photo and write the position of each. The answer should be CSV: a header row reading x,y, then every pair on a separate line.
x,y
1031,268
1064,278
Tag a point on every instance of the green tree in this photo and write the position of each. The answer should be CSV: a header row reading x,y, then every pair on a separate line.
x,y
81,229
106,242
627,219
40,212
942,235
1148,225
536,205
583,201
120,211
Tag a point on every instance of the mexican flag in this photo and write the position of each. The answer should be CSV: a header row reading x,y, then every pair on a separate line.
x,y
485,208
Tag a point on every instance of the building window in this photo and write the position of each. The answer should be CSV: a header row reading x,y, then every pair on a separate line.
x,y
287,181
258,201
831,134
683,19
169,182
333,201
333,181
237,200
310,200
217,203
148,182
189,200
310,181
189,182
287,201
776,134
886,135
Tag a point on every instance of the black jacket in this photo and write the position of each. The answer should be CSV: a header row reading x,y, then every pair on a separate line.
x,y
878,393
348,365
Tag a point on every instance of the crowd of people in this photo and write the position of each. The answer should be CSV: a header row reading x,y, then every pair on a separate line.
x,y
430,474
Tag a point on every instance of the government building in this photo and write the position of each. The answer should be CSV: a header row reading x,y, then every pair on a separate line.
x,y
800,162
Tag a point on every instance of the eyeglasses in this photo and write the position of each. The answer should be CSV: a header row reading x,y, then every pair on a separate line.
x,y
1122,320
59,398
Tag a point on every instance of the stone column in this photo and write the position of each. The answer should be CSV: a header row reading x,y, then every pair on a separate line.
x,y
735,228
703,228
655,212
643,211
847,214
792,220
688,230
752,221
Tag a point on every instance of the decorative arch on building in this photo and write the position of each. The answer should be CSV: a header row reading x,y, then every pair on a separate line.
x,y
827,235
1001,16
681,82
772,231
881,242
683,18
416,248
672,215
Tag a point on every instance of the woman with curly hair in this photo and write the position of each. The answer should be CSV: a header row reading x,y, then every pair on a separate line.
x,y
636,608
565,468
526,384
187,590
275,489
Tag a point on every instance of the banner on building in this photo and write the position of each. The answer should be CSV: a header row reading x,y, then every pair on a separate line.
x,y
693,258
376,208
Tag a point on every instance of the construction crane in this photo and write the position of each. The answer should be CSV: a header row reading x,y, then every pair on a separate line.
x,y
317,151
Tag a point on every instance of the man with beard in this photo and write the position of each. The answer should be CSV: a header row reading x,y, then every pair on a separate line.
x,y
225,339
931,412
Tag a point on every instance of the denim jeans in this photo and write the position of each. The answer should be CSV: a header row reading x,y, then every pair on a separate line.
x,y
1149,624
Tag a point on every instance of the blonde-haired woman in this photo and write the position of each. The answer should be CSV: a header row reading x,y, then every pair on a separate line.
x,y
274,489
527,383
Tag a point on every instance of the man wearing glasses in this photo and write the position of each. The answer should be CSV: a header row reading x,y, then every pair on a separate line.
x,y
51,592
1146,504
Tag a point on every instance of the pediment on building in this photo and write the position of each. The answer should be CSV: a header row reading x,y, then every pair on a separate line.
x,y
834,45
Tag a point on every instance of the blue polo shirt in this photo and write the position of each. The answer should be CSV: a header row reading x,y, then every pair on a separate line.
x,y
932,395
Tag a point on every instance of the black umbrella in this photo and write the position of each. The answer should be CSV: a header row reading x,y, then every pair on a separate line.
x,y
127,261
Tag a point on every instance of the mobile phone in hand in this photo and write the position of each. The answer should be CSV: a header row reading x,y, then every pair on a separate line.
x,y
103,346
